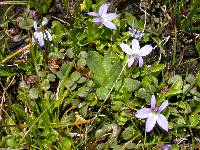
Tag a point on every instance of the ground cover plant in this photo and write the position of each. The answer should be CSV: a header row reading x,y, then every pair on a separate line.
x,y
96,74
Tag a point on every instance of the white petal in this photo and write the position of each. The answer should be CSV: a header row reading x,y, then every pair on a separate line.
x,y
110,16
126,49
97,20
162,122
140,59
110,25
44,21
40,38
145,50
151,121
153,102
49,35
163,106
131,61
103,9
143,113
93,14
35,25
135,45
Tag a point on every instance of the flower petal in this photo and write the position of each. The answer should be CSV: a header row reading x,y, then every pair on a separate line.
x,y
153,102
97,20
93,14
110,25
33,40
35,25
49,35
163,106
126,49
145,50
143,113
40,37
103,9
135,45
133,25
166,147
140,59
131,61
162,122
151,121
36,35
110,16
44,21
131,29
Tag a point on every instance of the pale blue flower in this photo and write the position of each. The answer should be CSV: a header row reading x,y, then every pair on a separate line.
x,y
102,17
40,35
135,33
136,53
166,147
153,115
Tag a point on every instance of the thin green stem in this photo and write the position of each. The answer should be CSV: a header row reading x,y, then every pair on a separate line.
x,y
145,137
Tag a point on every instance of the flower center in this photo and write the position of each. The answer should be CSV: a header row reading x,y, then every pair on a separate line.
x,y
136,53
154,113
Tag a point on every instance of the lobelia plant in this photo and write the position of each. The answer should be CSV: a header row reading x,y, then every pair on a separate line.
x,y
40,35
153,115
102,17
136,53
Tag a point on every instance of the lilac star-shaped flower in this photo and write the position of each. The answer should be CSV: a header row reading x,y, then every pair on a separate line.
x,y
136,53
153,115
40,35
102,17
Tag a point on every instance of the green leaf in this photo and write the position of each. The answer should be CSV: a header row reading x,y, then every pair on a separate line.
x,y
113,74
94,62
45,84
92,99
116,105
131,84
65,143
25,23
121,120
51,77
11,142
194,91
75,76
19,110
102,93
45,4
128,133
130,18
157,67
141,93
33,93
57,30
194,120
86,5
174,78
190,78
176,87
4,73
83,91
